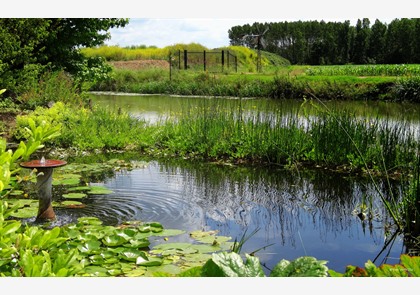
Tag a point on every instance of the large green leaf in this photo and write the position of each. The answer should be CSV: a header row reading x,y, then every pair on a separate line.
x,y
305,266
114,240
132,255
412,264
74,196
89,247
226,264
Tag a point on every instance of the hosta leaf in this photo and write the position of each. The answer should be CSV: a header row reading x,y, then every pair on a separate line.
x,y
305,266
226,264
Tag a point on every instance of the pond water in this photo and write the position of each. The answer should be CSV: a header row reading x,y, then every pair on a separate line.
x,y
296,212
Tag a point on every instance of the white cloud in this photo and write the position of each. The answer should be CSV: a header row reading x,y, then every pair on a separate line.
x,y
211,33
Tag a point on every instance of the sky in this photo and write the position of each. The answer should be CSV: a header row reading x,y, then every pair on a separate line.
x,y
167,22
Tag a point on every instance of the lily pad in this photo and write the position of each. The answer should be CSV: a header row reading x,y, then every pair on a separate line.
x,y
113,241
96,271
17,193
89,247
132,255
72,204
67,181
151,261
26,212
74,195
79,188
99,190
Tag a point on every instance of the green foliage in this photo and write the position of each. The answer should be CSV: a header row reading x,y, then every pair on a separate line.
x,y
231,265
52,87
409,267
319,42
301,267
30,46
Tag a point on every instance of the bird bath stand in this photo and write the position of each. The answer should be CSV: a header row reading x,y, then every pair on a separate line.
x,y
44,185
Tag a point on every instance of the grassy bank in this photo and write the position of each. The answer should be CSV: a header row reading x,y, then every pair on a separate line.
x,y
288,82
278,79
215,131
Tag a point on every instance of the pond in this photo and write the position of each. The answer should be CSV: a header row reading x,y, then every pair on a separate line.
x,y
294,212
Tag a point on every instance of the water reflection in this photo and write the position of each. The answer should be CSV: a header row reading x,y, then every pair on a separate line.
x,y
299,212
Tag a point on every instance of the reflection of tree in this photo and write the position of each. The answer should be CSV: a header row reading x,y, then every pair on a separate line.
x,y
281,202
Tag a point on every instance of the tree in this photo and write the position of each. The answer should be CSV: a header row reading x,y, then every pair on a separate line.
x,y
376,50
29,46
361,41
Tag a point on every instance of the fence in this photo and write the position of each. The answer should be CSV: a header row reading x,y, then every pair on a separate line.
x,y
211,61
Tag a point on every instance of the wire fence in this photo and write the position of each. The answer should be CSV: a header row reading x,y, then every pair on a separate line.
x,y
210,61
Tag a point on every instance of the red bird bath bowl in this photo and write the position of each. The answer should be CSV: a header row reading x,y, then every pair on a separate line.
x,y
44,185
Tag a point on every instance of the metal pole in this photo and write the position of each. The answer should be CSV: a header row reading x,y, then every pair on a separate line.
x,y
185,59
204,60
170,67
223,60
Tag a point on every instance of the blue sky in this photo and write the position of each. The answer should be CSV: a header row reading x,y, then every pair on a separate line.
x,y
168,22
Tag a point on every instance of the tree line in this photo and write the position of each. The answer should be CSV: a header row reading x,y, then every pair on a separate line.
x,y
320,42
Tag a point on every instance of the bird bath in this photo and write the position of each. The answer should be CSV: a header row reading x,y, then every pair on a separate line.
x,y
44,185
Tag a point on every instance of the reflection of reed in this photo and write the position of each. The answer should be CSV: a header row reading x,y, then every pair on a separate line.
x,y
280,202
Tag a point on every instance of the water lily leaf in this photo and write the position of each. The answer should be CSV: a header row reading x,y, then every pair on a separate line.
x,y
138,243
170,232
132,255
176,248
89,247
69,181
74,195
214,240
163,269
164,233
26,212
96,271
206,248
70,175
96,259
23,203
114,240
115,272
199,234
198,258
97,190
79,188
126,233
151,261
137,272
89,221
72,204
